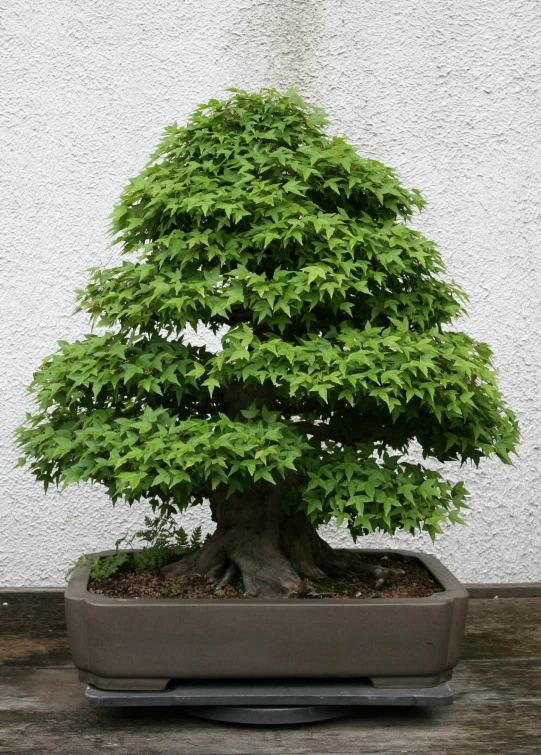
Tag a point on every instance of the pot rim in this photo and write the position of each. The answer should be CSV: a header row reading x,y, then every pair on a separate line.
x,y
452,588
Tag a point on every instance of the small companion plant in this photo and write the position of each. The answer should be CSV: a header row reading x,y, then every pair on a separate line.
x,y
165,542
338,351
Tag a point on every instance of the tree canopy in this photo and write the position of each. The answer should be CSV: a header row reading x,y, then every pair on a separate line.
x,y
338,348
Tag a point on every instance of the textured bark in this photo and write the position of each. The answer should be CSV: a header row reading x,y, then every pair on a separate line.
x,y
273,551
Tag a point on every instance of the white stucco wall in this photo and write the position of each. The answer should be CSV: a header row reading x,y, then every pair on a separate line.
x,y
445,92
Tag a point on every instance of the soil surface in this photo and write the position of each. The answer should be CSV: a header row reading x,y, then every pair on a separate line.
x,y
413,581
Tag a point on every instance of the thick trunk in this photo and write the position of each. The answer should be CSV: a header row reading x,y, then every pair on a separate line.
x,y
272,551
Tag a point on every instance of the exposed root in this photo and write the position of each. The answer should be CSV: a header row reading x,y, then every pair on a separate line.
x,y
229,576
272,567
262,567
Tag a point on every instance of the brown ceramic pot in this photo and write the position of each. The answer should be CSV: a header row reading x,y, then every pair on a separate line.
x,y
142,644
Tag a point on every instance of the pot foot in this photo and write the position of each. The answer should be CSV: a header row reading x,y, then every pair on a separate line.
x,y
127,685
409,682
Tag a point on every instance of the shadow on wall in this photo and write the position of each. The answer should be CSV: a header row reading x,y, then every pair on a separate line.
x,y
278,42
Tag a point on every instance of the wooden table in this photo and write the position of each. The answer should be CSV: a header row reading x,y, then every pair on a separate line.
x,y
497,705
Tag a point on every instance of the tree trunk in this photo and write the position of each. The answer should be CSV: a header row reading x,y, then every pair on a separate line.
x,y
271,550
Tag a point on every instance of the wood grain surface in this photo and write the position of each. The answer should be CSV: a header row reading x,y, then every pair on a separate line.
x,y
497,705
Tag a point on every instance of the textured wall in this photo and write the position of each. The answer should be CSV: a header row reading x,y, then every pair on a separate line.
x,y
445,92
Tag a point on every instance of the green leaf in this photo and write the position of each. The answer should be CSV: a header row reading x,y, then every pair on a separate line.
x,y
211,383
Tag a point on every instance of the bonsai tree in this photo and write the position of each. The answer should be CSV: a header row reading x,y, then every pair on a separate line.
x,y
337,351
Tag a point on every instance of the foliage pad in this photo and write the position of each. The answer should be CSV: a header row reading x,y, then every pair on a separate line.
x,y
337,346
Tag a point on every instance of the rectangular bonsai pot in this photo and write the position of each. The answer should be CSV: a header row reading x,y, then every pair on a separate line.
x,y
142,644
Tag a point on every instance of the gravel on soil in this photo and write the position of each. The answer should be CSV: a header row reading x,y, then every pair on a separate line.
x,y
413,581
